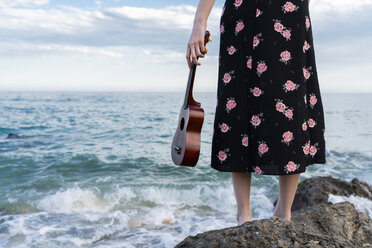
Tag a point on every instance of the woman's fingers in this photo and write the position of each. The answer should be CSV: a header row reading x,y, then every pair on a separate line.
x,y
195,49
202,48
199,52
188,56
193,54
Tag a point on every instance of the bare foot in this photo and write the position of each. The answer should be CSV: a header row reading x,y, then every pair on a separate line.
x,y
244,217
282,217
286,216
278,213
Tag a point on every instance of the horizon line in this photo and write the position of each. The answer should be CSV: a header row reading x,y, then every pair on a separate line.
x,y
146,91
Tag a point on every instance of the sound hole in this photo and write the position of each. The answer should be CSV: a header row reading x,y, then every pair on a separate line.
x,y
182,124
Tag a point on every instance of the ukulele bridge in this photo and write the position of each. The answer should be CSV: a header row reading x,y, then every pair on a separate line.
x,y
177,149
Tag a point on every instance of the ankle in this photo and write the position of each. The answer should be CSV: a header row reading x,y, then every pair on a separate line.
x,y
285,214
286,217
245,211
244,215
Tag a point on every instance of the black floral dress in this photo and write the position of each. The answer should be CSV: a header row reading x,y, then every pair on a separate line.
x,y
269,116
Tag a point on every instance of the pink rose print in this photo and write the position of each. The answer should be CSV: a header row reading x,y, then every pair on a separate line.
x,y
304,126
249,62
238,3
313,150
307,72
287,34
311,122
306,46
287,137
239,26
261,67
307,23
222,154
258,12
291,166
313,100
230,104
290,86
289,7
256,40
280,106
306,148
227,77
222,29
289,114
262,148
256,91
285,56
257,170
256,120
224,127
278,27
305,98
231,50
245,140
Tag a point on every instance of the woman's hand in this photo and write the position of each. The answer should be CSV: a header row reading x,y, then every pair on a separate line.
x,y
195,46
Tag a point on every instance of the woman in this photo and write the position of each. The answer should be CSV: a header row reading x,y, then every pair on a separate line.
x,y
269,116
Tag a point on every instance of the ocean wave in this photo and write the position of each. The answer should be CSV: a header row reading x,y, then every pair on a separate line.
x,y
361,204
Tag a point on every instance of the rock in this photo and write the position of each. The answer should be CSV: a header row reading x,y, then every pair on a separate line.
x,y
315,221
323,225
14,136
315,190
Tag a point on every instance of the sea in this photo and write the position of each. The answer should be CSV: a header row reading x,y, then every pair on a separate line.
x,y
94,169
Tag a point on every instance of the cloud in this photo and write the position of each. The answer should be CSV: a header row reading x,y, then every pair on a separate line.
x,y
124,26
341,17
10,3
27,49
170,18
325,8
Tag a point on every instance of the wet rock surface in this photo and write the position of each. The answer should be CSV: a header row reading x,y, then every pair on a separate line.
x,y
314,222
315,190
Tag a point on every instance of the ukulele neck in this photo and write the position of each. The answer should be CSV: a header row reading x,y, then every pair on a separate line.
x,y
190,84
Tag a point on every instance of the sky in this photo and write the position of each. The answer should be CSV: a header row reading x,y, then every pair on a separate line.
x,y
140,45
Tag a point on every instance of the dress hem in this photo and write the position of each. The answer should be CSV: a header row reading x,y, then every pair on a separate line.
x,y
220,169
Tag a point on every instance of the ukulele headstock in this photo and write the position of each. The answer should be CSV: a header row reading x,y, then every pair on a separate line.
x,y
207,38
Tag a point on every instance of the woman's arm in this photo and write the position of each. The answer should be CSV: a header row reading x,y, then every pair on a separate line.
x,y
195,46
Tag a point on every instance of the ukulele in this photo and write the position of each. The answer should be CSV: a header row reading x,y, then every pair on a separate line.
x,y
186,140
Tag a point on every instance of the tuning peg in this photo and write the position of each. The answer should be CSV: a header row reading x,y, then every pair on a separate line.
x,y
210,39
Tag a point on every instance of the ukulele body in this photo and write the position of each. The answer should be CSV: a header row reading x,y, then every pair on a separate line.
x,y
186,141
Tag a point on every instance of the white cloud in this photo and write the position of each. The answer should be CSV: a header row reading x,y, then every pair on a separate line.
x,y
330,7
9,3
172,17
114,26
41,23
26,49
